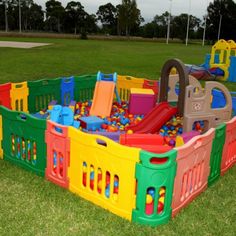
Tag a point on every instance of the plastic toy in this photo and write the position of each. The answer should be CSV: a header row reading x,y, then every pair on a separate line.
x,y
198,107
52,104
144,187
222,59
148,142
141,101
91,123
104,94
63,115
155,119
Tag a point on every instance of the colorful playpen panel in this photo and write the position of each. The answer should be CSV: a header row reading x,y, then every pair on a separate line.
x,y
67,90
23,140
193,161
216,154
103,172
5,99
125,83
229,151
155,173
84,87
42,92
19,96
58,154
1,128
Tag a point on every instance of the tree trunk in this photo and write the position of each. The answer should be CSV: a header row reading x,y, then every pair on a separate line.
x,y
58,25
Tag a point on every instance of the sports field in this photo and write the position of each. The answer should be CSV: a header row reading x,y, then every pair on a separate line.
x,y
30,205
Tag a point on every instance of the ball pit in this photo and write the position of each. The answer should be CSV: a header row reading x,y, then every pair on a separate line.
x,y
119,119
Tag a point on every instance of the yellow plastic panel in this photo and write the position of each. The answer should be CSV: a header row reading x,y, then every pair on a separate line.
x,y
125,83
1,151
19,96
141,91
232,45
101,155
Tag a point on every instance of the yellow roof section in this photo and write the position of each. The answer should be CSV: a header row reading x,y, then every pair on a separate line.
x,y
141,91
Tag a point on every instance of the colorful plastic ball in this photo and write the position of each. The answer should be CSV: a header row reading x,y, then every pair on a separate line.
x,y
116,190
116,183
172,143
130,131
160,207
92,175
162,199
91,184
151,191
107,192
100,184
149,199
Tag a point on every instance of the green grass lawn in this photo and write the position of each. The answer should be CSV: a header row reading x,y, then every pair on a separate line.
x,y
30,205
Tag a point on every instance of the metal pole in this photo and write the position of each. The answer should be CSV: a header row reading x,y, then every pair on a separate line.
x,y
20,16
6,19
168,27
186,41
205,23
219,27
204,32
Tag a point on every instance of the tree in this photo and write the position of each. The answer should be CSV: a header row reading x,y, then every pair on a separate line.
x,y
129,17
149,30
2,15
107,14
162,22
90,25
227,9
74,16
36,17
25,12
55,14
180,24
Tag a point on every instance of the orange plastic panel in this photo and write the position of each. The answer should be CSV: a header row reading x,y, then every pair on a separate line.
x,y
229,151
58,154
193,168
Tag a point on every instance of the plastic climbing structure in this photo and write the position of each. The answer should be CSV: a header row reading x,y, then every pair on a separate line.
x,y
222,60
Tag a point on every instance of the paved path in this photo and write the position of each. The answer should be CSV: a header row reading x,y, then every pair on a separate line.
x,y
10,44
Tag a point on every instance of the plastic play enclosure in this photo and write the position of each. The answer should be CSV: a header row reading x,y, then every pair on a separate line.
x,y
83,163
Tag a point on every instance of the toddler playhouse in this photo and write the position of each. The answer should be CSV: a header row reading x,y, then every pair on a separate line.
x,y
139,148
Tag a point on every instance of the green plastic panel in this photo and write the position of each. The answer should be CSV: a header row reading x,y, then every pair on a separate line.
x,y
216,154
23,140
84,87
42,92
155,171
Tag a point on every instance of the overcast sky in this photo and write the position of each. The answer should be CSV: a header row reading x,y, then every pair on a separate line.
x,y
149,8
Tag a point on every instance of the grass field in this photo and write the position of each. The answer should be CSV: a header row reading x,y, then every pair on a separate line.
x,y
29,205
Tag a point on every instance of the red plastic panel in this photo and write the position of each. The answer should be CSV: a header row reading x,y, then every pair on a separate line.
x,y
58,154
193,168
229,151
150,84
5,99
